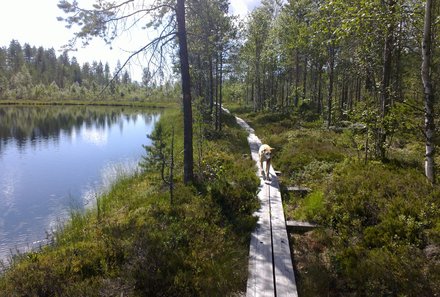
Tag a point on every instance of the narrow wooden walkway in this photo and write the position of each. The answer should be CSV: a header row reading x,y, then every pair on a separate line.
x,y
270,271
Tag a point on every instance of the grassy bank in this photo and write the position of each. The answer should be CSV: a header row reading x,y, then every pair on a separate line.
x,y
380,221
137,242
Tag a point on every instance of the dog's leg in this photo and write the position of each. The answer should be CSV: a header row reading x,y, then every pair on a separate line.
x,y
267,169
262,168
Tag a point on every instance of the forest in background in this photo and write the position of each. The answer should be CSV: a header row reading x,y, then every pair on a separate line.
x,y
31,73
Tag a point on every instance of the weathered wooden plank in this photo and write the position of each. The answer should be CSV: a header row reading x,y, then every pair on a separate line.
x,y
285,284
260,270
299,226
299,190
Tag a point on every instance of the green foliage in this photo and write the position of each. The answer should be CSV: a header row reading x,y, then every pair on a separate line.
x,y
157,152
311,208
384,218
364,195
308,153
232,189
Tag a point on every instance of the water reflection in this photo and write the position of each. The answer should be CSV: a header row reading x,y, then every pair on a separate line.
x,y
33,125
53,159
96,136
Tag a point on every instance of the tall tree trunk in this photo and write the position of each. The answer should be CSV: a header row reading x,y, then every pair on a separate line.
x,y
188,174
199,78
211,87
220,91
272,83
314,83
247,95
344,104
319,107
254,97
257,80
428,94
263,82
385,92
399,65
296,99
351,95
358,89
306,61
216,91
330,85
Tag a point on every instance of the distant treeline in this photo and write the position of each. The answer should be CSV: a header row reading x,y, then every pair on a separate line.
x,y
28,72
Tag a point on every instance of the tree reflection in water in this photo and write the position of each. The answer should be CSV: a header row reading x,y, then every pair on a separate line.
x,y
35,124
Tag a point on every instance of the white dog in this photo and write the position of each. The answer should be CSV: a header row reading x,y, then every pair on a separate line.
x,y
265,154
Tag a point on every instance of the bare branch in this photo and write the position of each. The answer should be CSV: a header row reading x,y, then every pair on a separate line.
x,y
103,20
152,43
146,11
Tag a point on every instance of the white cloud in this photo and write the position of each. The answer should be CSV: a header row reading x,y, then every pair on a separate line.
x,y
33,22
98,137
243,7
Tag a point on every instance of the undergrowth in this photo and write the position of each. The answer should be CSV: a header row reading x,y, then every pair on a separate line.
x,y
379,222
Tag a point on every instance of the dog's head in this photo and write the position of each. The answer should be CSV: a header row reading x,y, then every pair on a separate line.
x,y
267,152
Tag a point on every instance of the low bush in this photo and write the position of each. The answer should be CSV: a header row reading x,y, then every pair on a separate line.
x,y
382,217
311,208
308,157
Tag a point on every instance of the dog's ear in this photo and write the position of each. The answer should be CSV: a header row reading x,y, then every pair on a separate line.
x,y
271,148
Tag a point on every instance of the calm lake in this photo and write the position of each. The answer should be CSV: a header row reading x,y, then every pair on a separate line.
x,y
54,159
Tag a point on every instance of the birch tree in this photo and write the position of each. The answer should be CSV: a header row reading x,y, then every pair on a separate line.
x,y
429,129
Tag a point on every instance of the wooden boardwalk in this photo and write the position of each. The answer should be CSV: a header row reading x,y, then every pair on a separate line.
x,y
270,271
299,226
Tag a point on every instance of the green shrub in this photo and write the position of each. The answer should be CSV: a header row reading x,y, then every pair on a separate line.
x,y
308,156
381,216
311,208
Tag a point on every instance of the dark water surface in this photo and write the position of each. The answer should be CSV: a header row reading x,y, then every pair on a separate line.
x,y
54,159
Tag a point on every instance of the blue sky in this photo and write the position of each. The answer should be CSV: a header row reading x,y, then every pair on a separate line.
x,y
34,22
